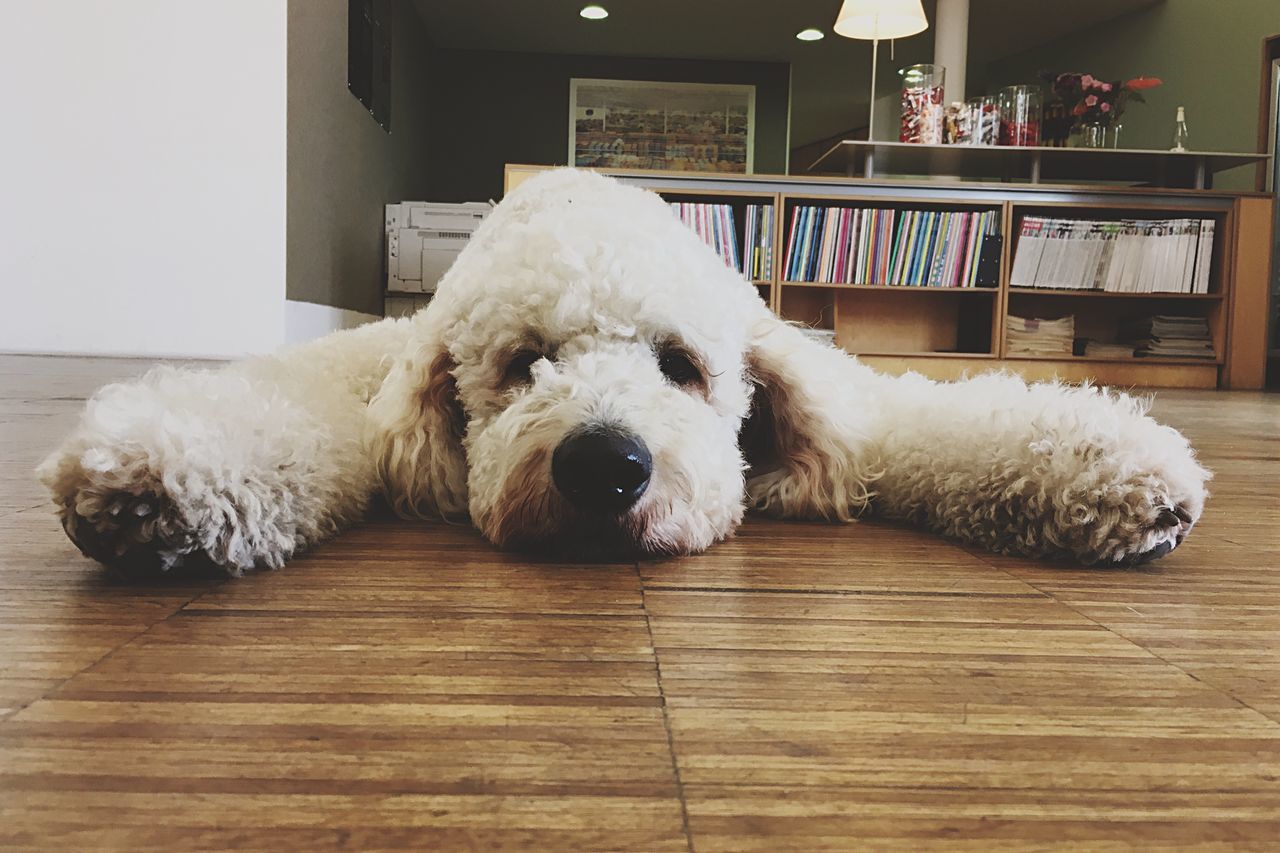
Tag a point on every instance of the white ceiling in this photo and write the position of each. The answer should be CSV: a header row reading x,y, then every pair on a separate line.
x,y
829,77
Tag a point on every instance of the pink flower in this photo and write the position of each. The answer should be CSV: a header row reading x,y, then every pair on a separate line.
x,y
1106,87
1091,101
1086,80
1106,108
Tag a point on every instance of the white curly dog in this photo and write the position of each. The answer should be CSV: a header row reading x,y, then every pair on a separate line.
x,y
591,379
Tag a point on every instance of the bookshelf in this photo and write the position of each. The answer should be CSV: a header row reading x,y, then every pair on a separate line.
x,y
945,332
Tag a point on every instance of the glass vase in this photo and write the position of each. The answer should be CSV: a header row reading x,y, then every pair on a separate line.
x,y
981,121
1020,113
1113,135
1093,134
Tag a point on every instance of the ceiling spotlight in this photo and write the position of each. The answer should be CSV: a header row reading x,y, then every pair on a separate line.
x,y
594,13
806,35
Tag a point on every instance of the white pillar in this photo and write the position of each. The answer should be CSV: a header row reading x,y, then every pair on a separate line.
x,y
951,45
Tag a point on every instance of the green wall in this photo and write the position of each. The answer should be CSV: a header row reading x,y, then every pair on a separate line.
x,y
1208,52
341,167
491,108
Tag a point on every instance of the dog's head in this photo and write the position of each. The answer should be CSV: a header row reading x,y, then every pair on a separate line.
x,y
590,377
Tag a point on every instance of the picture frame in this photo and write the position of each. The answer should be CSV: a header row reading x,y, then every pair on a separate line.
x,y
639,124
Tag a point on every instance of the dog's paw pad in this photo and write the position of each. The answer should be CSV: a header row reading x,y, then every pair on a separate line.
x,y
139,536
1175,520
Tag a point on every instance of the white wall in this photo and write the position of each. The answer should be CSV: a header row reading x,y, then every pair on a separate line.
x,y
142,176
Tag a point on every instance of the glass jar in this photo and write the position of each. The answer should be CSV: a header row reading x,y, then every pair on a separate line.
x,y
1093,134
980,124
1113,135
922,104
1020,108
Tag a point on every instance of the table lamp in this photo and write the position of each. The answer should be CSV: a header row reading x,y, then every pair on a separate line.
x,y
875,20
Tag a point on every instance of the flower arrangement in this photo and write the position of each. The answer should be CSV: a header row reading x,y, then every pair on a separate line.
x,y
1091,100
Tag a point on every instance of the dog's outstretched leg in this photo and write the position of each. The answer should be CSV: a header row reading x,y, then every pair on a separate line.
x,y
1043,470
239,466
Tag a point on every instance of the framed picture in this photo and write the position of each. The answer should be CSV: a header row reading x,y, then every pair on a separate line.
x,y
687,127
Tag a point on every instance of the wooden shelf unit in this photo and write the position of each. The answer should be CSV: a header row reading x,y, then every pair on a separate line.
x,y
946,332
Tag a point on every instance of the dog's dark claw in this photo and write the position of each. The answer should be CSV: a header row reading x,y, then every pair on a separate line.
x,y
1156,552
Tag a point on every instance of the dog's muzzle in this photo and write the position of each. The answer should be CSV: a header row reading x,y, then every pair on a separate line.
x,y
602,469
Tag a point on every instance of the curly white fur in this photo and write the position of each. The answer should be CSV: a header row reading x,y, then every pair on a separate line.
x,y
591,282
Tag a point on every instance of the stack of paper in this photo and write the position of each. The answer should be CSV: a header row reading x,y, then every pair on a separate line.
x,y
1031,336
1170,336
826,336
1099,349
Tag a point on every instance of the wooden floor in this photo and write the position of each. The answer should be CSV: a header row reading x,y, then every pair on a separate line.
x,y
801,687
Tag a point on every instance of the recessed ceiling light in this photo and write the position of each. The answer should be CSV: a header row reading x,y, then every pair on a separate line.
x,y
594,13
809,35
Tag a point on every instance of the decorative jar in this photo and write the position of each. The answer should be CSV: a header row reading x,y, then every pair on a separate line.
x,y
1093,134
922,109
1020,109
980,123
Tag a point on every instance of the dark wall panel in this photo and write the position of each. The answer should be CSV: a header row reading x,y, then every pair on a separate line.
x,y
492,108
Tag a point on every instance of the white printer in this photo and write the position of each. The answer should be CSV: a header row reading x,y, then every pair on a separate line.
x,y
424,238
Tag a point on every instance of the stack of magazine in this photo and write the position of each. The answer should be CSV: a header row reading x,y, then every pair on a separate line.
x,y
1031,336
1121,256
1101,349
1170,336
912,248
826,336
714,223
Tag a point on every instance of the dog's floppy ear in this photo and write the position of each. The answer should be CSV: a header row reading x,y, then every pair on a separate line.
x,y
805,438
416,426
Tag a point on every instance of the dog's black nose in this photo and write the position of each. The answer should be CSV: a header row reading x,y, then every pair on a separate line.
x,y
605,470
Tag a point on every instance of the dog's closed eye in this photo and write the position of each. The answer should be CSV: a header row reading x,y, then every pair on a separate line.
x,y
518,368
682,368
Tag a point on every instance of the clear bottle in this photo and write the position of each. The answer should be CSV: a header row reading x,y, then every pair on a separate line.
x,y
1180,136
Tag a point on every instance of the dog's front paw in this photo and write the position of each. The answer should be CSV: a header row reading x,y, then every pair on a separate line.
x,y
141,536
144,514
1146,535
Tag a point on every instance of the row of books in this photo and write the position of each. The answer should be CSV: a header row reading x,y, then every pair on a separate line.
x,y
1121,256
760,239
715,224
911,248
1157,336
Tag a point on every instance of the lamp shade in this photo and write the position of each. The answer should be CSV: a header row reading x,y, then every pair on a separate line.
x,y
880,19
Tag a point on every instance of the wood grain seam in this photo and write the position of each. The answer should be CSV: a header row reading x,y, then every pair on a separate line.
x,y
666,714
1137,644
52,691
